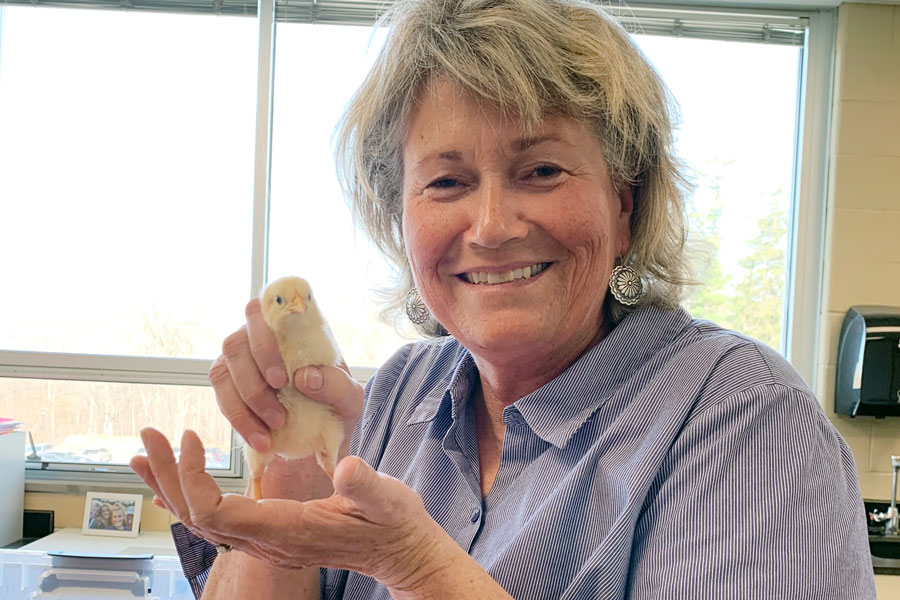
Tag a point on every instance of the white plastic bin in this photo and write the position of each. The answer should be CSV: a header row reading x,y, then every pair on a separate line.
x,y
31,575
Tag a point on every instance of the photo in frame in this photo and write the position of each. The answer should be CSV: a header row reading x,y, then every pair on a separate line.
x,y
117,515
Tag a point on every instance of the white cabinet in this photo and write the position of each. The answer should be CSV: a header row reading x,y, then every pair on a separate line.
x,y
12,486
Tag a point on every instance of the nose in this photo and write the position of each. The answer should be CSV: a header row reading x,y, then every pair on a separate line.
x,y
497,216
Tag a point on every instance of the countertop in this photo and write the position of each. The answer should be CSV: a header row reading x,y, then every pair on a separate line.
x,y
158,543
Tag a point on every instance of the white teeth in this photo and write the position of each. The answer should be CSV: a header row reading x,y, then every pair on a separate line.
x,y
515,275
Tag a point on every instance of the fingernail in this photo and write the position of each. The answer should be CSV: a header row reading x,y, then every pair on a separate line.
x,y
274,418
259,442
276,377
312,378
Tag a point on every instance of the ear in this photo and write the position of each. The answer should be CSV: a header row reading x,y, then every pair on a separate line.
x,y
625,195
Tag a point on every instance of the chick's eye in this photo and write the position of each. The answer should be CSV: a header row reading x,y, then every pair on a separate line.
x,y
278,300
309,296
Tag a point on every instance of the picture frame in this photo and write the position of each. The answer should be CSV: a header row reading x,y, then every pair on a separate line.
x,y
117,515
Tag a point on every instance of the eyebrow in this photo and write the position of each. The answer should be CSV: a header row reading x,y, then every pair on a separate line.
x,y
525,143
519,145
451,155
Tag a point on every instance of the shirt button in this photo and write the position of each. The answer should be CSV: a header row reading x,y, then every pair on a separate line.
x,y
476,515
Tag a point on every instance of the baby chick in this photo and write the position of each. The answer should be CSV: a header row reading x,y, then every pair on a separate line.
x,y
310,427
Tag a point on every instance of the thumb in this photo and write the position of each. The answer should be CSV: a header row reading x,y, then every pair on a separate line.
x,y
379,497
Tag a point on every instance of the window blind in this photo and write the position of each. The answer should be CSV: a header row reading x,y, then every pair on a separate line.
x,y
786,28
220,7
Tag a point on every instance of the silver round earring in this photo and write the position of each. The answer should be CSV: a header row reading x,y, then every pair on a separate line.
x,y
625,285
415,307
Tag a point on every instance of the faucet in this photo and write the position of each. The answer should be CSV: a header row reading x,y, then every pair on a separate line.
x,y
893,524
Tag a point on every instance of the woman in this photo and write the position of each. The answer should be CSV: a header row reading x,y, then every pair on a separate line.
x,y
102,518
117,521
576,435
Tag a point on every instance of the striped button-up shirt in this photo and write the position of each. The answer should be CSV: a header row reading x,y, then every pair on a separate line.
x,y
674,460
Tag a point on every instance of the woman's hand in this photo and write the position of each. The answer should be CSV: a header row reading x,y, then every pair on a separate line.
x,y
374,524
245,379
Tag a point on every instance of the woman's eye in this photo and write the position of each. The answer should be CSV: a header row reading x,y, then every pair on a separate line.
x,y
444,183
545,171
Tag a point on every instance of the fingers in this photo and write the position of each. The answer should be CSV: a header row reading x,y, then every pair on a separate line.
x,y
248,425
264,346
165,480
247,378
164,472
201,493
381,498
229,518
141,466
333,386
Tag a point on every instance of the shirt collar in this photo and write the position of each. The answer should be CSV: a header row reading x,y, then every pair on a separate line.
x,y
558,409
454,388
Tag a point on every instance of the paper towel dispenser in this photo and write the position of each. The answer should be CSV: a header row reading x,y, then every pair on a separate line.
x,y
867,381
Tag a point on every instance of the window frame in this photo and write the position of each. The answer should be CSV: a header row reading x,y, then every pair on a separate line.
x,y
807,218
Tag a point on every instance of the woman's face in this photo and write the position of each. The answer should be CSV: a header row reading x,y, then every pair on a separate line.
x,y
483,200
118,519
104,511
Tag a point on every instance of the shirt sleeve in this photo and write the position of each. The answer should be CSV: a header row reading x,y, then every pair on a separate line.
x,y
196,555
759,498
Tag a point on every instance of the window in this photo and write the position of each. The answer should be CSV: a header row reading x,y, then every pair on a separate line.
x,y
126,178
308,215
739,121
145,195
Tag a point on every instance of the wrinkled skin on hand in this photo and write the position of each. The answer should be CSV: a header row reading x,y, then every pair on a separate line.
x,y
366,521
373,524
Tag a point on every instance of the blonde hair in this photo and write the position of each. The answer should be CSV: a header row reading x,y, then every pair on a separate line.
x,y
118,507
530,58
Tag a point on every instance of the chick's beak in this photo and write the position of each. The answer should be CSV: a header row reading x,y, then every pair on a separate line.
x,y
298,304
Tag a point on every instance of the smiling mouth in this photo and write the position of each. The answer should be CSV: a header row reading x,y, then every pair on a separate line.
x,y
482,278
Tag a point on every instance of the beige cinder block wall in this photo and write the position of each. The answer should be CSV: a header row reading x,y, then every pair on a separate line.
x,y
68,510
862,243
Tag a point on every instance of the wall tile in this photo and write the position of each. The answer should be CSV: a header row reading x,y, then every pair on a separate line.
x,y
829,336
887,587
857,234
69,510
869,74
891,246
874,486
885,443
865,25
892,126
866,181
863,282
896,36
863,176
861,127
